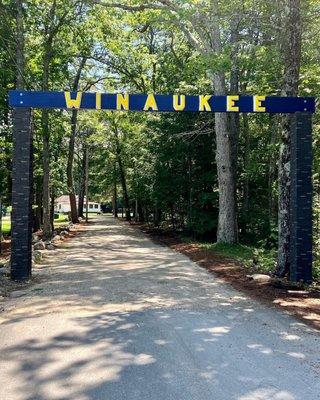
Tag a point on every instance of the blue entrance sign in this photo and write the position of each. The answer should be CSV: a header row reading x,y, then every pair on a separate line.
x,y
158,102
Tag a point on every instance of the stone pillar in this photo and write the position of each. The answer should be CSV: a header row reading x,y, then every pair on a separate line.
x,y
22,174
301,199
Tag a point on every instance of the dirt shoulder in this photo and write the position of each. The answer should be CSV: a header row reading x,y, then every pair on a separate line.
x,y
303,304
7,286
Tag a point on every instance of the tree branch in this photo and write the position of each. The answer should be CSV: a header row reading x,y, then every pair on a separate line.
x,y
152,6
166,5
89,85
78,74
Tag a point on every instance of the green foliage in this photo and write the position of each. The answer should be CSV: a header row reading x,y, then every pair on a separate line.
x,y
316,269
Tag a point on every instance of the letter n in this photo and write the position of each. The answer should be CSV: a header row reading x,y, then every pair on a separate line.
x,y
122,101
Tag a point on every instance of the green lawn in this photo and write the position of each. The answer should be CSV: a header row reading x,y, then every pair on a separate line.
x,y
6,223
61,220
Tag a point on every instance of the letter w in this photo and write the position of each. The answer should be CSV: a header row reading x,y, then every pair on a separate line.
x,y
73,103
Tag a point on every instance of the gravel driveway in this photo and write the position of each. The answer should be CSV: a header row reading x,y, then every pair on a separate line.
x,y
117,317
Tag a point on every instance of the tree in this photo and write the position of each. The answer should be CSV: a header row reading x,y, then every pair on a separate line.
x,y
52,24
202,29
58,49
74,115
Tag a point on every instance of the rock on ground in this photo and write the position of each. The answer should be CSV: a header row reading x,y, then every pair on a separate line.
x,y
39,245
37,256
261,278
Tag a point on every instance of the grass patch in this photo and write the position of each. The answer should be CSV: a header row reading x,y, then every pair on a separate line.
x,y
61,220
6,223
261,260
238,251
6,226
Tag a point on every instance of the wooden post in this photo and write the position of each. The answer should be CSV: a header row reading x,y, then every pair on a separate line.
x,y
301,199
22,174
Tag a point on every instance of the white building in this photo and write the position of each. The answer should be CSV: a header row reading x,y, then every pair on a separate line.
x,y
62,205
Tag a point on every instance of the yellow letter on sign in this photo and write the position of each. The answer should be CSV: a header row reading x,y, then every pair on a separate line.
x,y
204,103
98,101
230,103
179,102
151,103
257,100
73,103
122,101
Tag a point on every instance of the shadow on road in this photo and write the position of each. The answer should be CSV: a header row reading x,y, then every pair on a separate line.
x,y
123,318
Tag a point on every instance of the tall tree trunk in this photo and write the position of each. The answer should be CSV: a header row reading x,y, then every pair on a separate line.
x,y
141,213
70,180
38,202
273,170
50,32
156,215
122,176
115,195
20,58
74,117
47,228
227,220
82,184
136,207
124,189
234,89
292,57
246,160
52,199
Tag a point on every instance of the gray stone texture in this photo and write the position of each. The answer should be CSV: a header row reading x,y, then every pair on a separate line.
x,y
301,199
21,258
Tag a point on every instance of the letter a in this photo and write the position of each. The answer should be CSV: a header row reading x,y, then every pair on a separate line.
x,y
204,103
122,101
179,102
151,103
73,103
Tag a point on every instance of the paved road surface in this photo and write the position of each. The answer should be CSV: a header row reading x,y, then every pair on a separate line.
x,y
122,318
